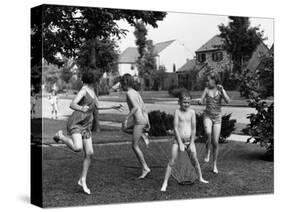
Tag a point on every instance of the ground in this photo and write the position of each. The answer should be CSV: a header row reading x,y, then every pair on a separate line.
x,y
112,176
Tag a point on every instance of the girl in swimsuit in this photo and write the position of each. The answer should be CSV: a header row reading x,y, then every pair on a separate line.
x,y
140,121
79,125
213,95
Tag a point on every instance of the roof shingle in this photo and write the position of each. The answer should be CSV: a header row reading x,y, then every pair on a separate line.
x,y
131,54
213,44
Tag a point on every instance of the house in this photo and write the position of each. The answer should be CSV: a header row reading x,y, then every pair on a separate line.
x,y
212,54
257,56
171,54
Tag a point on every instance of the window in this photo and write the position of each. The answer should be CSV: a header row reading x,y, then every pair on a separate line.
x,y
132,67
201,57
217,56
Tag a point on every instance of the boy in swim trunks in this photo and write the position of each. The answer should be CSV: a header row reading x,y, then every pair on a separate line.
x,y
185,130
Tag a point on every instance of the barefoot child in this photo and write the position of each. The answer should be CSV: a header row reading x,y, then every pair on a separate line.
x,y
79,125
185,130
213,94
54,104
138,119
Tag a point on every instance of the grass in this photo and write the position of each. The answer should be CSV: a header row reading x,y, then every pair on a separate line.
x,y
112,176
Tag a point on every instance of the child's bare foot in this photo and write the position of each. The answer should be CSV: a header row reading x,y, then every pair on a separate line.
x,y
164,187
145,139
203,181
145,172
207,158
58,136
84,186
215,170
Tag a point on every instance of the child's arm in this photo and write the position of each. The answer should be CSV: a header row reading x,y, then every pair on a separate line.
x,y
224,94
193,126
176,125
105,108
134,109
74,104
201,101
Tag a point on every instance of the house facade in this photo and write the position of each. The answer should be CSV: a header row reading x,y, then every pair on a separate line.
x,y
171,54
212,54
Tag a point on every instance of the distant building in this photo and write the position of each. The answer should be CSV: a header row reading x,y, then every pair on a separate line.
x,y
171,54
212,54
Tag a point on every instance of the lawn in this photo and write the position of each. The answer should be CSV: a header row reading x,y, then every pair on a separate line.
x,y
112,176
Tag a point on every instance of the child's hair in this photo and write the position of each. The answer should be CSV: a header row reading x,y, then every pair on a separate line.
x,y
127,81
214,76
184,94
88,77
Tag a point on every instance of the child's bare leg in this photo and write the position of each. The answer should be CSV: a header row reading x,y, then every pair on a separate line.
x,y
88,152
170,166
216,136
208,131
196,164
74,143
138,129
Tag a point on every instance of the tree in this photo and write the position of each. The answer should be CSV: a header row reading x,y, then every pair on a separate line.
x,y
63,30
240,40
157,77
66,30
140,34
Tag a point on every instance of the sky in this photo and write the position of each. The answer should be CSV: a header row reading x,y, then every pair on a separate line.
x,y
191,30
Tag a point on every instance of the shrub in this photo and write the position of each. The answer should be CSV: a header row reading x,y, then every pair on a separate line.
x,y
261,126
162,125
176,92
227,127
103,87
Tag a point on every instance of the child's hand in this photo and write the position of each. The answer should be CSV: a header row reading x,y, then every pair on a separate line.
x,y
85,108
118,107
182,147
192,147
220,87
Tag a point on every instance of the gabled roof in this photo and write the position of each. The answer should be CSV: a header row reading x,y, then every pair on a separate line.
x,y
158,47
257,56
131,54
191,65
213,44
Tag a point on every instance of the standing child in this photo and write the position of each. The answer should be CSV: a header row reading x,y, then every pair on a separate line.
x,y
185,131
213,94
79,125
138,119
54,104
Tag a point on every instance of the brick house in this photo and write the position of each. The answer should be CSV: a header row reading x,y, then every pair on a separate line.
x,y
211,54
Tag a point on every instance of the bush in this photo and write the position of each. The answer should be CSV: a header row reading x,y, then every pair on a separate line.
x,y
227,127
162,125
175,92
103,87
261,126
